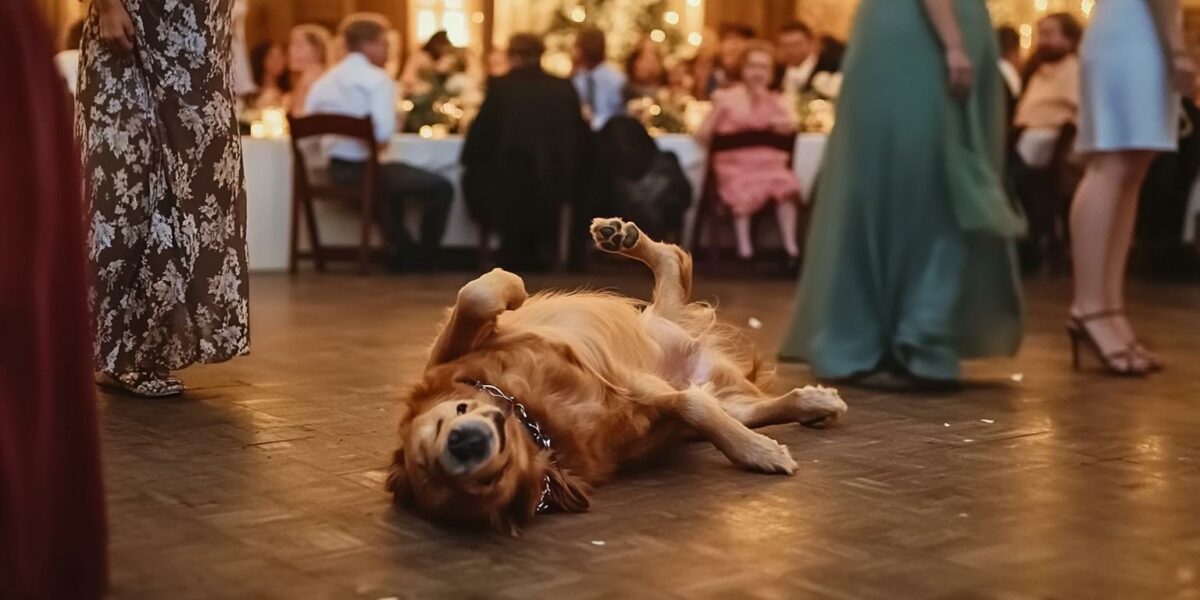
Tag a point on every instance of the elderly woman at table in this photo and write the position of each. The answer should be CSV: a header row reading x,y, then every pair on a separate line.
x,y
748,179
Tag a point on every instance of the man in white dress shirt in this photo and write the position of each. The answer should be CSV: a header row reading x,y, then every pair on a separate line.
x,y
798,58
359,86
601,87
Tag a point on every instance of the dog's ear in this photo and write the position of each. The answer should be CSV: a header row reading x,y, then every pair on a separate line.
x,y
523,507
397,481
568,493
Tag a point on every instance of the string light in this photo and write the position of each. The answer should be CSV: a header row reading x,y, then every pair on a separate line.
x,y
658,35
578,14
694,38
1041,5
1086,7
694,3
671,17
1026,35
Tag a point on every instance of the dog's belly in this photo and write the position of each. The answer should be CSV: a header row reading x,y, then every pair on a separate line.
x,y
685,361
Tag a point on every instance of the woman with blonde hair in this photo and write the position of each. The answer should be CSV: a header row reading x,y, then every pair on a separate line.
x,y
308,54
751,178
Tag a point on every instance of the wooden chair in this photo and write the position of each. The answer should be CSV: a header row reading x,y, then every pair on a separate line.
x,y
710,206
306,191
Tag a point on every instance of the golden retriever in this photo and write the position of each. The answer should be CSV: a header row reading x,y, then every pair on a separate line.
x,y
528,403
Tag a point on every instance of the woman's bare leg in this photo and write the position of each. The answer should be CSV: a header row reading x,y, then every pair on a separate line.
x,y
1100,216
741,229
787,214
1123,227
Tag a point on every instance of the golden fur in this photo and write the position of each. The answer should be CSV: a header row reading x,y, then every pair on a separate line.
x,y
612,380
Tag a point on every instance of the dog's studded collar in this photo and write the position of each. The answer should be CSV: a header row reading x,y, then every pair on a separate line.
x,y
531,426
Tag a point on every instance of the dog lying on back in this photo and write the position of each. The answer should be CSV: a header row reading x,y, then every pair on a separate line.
x,y
528,403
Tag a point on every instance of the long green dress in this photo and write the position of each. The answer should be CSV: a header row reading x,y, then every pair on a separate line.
x,y
910,262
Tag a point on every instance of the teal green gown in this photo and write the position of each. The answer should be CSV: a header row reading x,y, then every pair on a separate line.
x,y
910,263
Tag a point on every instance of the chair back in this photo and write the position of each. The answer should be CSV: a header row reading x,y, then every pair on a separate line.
x,y
308,186
357,128
319,125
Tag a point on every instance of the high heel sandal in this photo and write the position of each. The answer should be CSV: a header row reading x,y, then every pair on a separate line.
x,y
1122,363
1153,362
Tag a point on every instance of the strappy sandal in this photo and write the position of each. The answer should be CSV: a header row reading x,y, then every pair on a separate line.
x,y
1153,362
144,384
1122,363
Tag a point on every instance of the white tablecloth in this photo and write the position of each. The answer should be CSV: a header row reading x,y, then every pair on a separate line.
x,y
268,164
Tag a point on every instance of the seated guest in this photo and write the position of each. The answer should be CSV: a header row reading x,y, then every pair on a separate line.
x,y
307,58
645,70
601,87
496,64
1051,88
358,86
679,78
67,61
525,156
1010,63
750,178
799,59
435,62
734,39
703,66
1049,102
268,66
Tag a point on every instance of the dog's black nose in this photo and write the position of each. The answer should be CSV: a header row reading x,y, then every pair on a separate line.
x,y
469,442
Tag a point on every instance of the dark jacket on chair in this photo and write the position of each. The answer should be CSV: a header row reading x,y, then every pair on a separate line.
x,y
525,154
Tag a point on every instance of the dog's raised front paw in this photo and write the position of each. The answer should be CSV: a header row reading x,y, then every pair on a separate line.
x,y
615,235
766,455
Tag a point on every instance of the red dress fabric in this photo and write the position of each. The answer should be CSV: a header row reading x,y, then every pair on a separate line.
x,y
52,525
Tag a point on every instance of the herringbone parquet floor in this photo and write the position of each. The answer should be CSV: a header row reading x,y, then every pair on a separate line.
x,y
265,481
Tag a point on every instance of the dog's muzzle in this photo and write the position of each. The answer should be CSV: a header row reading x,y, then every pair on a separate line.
x,y
468,445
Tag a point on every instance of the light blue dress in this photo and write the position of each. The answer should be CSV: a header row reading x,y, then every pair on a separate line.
x,y
1127,102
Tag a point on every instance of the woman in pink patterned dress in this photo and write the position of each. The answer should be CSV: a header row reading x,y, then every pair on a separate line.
x,y
750,178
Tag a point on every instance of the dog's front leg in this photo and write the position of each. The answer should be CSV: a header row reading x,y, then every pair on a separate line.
x,y
473,318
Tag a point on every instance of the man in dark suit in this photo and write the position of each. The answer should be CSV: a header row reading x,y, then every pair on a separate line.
x,y
801,57
525,156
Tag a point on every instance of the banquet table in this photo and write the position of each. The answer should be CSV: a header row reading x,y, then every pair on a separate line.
x,y
268,166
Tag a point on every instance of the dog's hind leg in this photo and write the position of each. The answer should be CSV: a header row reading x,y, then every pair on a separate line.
x,y
701,411
473,317
672,267
810,406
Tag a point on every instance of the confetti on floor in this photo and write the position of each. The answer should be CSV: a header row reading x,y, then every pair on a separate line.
x,y
988,421
968,441
755,323
945,424
597,542
1018,377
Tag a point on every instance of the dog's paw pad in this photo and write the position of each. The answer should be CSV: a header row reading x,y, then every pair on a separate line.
x,y
615,235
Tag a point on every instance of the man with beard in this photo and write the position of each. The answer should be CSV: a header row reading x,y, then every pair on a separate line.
x,y
1049,102
1051,96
